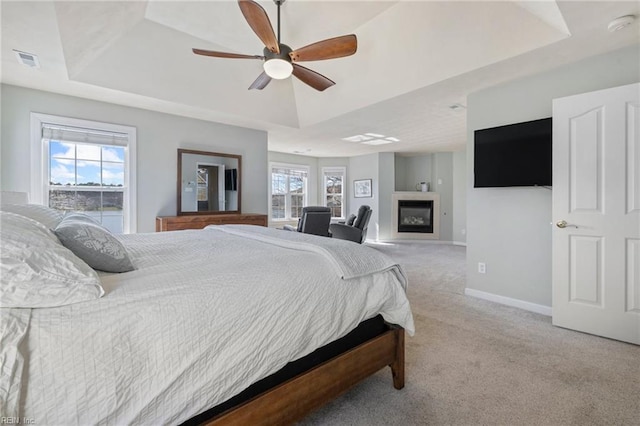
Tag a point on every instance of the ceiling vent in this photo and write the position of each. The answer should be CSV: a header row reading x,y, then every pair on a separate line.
x,y
28,59
621,22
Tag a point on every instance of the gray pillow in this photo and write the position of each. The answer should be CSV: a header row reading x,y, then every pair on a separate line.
x,y
94,244
351,219
80,217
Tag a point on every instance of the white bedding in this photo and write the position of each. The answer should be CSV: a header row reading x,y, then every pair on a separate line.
x,y
205,314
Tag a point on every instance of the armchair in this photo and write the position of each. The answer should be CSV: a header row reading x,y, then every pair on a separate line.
x,y
315,220
357,232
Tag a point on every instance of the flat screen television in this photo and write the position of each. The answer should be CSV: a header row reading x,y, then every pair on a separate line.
x,y
231,180
513,155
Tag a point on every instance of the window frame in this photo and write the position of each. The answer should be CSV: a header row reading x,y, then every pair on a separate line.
x,y
287,208
40,161
339,171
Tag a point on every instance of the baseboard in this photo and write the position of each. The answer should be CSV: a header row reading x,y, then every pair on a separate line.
x,y
503,300
399,241
459,243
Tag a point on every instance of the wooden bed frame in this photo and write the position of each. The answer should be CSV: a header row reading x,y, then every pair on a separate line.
x,y
297,397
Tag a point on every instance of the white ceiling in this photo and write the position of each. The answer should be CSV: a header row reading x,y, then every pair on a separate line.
x,y
414,60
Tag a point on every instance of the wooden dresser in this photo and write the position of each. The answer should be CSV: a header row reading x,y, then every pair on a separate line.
x,y
176,223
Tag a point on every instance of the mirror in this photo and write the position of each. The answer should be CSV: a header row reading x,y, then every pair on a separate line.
x,y
208,182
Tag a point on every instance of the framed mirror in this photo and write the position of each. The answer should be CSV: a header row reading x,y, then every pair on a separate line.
x,y
208,182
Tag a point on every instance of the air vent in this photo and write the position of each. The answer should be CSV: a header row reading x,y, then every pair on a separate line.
x,y
27,59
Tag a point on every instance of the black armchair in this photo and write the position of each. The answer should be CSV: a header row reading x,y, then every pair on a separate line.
x,y
315,220
357,230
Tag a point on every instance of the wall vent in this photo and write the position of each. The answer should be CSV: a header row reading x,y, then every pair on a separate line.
x,y
28,59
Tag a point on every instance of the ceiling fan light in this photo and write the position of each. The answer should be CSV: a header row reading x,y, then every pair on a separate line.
x,y
278,68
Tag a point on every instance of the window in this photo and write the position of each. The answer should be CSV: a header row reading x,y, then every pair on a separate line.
x,y
333,186
85,166
288,191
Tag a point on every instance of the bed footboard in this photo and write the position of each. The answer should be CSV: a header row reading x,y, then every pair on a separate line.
x,y
295,398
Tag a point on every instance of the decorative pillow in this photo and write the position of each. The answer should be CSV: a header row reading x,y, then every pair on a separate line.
x,y
93,243
351,219
46,215
81,217
39,272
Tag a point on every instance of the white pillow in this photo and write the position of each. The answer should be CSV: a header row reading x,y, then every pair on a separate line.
x,y
39,272
46,215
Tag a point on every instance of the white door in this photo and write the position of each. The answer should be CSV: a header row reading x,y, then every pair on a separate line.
x,y
596,213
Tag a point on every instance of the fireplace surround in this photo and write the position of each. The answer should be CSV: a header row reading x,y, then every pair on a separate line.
x,y
415,215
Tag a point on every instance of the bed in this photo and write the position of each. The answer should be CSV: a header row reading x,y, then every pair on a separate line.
x,y
231,324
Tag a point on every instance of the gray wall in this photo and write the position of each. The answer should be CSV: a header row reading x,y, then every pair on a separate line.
x,y
460,197
442,183
438,170
335,162
366,167
409,171
315,176
159,137
386,187
312,183
509,228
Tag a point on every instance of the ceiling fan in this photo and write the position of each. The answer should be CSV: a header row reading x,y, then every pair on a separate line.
x,y
280,61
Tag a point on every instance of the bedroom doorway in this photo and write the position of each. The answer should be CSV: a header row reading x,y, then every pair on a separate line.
x,y
209,195
596,213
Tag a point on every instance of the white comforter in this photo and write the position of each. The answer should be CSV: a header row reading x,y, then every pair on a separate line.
x,y
205,314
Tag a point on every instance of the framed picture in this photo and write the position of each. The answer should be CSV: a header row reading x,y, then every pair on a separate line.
x,y
362,188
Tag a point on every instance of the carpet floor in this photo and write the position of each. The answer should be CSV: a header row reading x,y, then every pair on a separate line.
x,y
474,362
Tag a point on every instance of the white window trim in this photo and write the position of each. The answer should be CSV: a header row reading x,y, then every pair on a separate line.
x,y
306,189
40,168
343,172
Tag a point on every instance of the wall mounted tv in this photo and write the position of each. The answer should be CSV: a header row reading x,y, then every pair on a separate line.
x,y
231,180
513,155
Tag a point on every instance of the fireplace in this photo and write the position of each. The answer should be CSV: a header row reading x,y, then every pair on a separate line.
x,y
415,216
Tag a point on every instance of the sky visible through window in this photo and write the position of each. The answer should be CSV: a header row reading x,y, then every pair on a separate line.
x,y
86,164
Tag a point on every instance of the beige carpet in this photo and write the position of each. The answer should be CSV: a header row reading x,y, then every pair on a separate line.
x,y
474,362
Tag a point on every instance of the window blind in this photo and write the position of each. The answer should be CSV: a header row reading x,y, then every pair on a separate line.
x,y
289,172
81,135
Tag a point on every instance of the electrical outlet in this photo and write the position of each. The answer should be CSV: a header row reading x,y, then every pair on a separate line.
x,y
482,268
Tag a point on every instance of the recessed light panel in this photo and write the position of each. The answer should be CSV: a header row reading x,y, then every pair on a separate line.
x,y
371,139
357,138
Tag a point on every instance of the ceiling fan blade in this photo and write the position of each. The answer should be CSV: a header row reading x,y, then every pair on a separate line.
x,y
259,22
224,54
312,78
331,48
261,82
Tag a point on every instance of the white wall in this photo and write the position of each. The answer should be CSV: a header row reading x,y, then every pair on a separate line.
x,y
509,228
159,137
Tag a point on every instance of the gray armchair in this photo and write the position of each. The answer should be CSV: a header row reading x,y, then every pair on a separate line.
x,y
315,220
355,231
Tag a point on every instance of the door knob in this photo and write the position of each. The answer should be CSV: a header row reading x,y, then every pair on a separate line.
x,y
563,224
